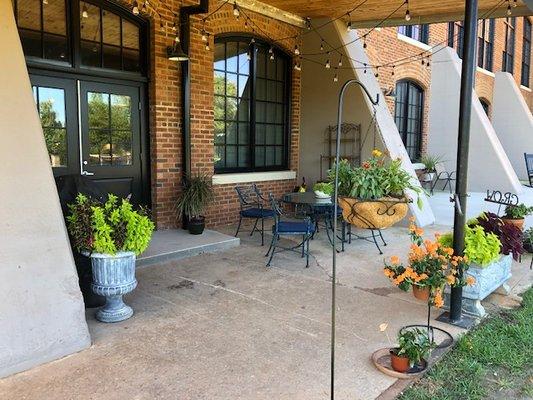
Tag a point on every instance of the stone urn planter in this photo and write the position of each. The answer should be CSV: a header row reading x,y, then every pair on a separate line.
x,y
373,214
113,277
488,279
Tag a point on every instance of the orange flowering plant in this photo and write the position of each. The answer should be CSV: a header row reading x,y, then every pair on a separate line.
x,y
430,264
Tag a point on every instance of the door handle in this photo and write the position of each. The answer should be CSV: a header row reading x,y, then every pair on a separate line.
x,y
87,173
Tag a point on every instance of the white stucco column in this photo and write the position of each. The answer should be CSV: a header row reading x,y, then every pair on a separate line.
x,y
512,121
42,315
489,167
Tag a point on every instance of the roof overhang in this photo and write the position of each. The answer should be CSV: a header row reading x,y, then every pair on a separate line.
x,y
372,12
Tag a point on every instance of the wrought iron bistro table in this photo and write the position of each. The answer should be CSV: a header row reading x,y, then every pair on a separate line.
x,y
317,209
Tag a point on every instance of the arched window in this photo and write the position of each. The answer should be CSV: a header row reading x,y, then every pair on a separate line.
x,y
408,113
251,99
486,106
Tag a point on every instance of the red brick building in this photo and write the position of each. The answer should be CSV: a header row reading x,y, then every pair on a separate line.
x,y
388,44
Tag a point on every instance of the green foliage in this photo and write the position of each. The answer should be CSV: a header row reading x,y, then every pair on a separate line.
x,y
375,179
324,187
414,344
528,239
491,361
430,162
196,195
108,228
518,212
481,247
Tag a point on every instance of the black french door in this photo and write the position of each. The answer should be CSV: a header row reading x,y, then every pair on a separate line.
x,y
95,129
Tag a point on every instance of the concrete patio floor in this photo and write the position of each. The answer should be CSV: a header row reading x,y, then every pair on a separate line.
x,y
222,326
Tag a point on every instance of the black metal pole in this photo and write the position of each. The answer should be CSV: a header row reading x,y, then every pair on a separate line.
x,y
335,208
463,141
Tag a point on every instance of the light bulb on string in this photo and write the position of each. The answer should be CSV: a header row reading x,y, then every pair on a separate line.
x,y
349,24
407,13
335,78
207,48
392,72
515,3
236,11
174,28
204,36
177,39
509,10
271,52
364,71
328,65
321,44
162,27
135,9
246,23
45,2
308,23
364,42
340,61
249,54
84,11
296,50
377,72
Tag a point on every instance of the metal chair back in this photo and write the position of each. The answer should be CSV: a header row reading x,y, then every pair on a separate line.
x,y
247,196
529,167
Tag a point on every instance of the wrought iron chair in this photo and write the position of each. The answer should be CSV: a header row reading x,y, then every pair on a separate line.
x,y
443,175
252,207
529,167
305,228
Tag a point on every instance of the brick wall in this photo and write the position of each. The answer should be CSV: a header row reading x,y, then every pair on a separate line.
x,y
384,46
165,111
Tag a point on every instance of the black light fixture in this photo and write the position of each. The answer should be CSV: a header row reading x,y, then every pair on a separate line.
x,y
176,53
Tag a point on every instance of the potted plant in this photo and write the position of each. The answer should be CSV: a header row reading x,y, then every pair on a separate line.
x,y
197,194
323,190
431,266
515,214
510,236
489,268
414,347
112,235
372,196
430,163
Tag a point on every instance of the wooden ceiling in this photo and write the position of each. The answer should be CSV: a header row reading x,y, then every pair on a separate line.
x,y
373,11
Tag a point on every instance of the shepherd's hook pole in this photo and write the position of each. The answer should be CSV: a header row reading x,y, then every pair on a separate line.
x,y
335,208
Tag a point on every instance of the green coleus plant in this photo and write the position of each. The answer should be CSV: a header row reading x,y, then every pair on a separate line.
x,y
108,228
481,247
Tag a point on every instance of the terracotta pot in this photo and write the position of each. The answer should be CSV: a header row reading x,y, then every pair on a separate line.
x,y
378,214
518,222
421,292
399,363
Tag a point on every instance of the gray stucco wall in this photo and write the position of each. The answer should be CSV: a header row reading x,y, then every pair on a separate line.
x,y
41,313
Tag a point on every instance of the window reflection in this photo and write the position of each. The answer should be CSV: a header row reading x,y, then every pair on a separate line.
x,y
51,106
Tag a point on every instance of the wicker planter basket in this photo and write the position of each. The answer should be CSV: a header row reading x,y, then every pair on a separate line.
x,y
374,214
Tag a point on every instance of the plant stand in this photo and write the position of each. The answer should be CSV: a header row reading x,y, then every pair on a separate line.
x,y
431,331
381,360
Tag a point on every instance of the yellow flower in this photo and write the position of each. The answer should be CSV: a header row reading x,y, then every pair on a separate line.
x,y
438,301
450,279
470,280
376,153
395,260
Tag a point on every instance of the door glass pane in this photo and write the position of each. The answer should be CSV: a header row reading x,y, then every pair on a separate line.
x,y
51,106
54,17
120,112
98,105
99,147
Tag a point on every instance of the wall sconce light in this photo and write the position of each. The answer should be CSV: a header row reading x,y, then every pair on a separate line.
x,y
176,53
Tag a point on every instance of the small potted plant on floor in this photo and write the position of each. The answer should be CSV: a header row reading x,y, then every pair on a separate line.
x,y
112,235
414,347
196,196
516,214
528,240
373,195
323,190
430,163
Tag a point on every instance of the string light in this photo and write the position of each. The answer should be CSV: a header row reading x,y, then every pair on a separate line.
x,y
84,11
308,23
340,61
407,13
271,52
135,9
45,2
377,72
364,71
349,25
509,9
296,50
364,42
336,78
204,36
321,44
297,66
392,72
328,65
236,11
174,28
515,3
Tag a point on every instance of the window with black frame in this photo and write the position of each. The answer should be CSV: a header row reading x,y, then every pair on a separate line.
x,y
526,53
417,32
485,44
508,52
455,37
251,90
408,112
486,106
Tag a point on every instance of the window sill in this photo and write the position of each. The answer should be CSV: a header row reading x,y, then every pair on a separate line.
x,y
413,42
485,71
525,88
248,177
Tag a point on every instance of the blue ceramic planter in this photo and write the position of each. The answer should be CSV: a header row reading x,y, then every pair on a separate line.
x,y
113,277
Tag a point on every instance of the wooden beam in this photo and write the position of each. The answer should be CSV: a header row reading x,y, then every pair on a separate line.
x,y
267,10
